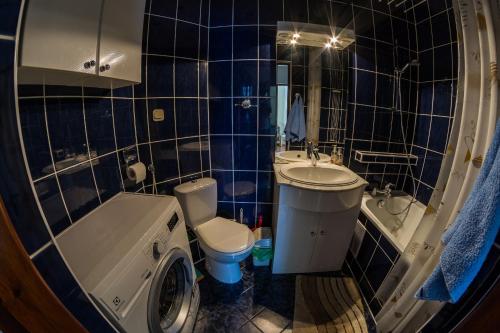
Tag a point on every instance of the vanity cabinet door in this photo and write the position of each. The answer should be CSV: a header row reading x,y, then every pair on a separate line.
x,y
121,39
61,35
295,241
330,249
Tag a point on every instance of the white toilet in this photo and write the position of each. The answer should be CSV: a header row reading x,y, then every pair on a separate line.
x,y
225,242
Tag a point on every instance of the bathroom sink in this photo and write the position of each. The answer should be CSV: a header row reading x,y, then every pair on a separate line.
x,y
319,175
299,156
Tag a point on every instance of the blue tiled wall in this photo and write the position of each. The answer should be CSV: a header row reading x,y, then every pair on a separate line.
x,y
426,33
437,52
375,259
75,137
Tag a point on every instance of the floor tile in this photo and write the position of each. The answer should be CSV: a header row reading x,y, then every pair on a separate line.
x,y
270,322
249,327
220,319
260,302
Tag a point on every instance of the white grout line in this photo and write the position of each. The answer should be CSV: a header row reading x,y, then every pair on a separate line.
x,y
115,139
88,146
174,92
7,37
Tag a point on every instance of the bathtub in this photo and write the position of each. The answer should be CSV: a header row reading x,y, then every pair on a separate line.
x,y
395,228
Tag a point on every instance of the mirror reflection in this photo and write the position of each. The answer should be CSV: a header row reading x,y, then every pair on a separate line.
x,y
312,83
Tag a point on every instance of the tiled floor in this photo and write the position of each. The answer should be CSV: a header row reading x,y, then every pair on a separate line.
x,y
260,302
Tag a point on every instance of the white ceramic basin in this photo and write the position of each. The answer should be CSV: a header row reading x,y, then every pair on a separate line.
x,y
299,156
319,175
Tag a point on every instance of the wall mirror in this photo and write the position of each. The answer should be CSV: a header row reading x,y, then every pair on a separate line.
x,y
312,75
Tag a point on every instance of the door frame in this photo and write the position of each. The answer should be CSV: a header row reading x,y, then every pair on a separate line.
x,y
27,304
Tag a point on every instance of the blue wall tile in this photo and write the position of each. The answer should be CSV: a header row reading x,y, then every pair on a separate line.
x,y
53,207
164,8
107,176
34,131
161,35
79,190
124,122
245,44
221,152
244,152
165,159
221,12
186,78
99,124
160,75
186,43
188,10
245,189
189,156
187,120
9,10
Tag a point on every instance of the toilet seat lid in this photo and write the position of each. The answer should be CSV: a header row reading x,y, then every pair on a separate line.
x,y
223,235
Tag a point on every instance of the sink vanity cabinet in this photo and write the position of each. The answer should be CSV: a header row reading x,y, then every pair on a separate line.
x,y
313,225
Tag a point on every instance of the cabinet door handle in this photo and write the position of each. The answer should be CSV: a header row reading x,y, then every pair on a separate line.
x,y
313,234
104,68
89,64
322,232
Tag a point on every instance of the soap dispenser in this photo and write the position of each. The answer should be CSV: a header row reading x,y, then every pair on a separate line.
x,y
339,160
333,155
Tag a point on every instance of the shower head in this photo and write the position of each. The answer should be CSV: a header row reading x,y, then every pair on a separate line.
x,y
413,63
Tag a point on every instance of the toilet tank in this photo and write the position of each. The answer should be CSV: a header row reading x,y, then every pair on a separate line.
x,y
198,200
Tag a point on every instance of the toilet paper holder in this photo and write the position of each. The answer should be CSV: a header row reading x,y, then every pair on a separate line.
x,y
129,155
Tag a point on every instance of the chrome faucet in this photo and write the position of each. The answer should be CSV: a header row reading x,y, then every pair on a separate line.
x,y
309,149
386,191
312,153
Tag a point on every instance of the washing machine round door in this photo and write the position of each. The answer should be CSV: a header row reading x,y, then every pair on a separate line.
x,y
170,295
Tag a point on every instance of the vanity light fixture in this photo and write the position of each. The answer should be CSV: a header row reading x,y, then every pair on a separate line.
x,y
314,35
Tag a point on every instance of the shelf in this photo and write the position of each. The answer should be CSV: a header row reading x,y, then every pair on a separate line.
x,y
377,157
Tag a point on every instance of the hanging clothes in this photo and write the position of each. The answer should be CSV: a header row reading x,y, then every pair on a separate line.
x,y
295,129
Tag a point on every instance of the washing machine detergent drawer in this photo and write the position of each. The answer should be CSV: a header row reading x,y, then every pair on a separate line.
x,y
124,285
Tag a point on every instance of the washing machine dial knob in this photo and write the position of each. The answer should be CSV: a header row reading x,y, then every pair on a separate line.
x,y
158,249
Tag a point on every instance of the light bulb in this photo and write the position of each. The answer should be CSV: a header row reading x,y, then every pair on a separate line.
x,y
293,42
333,40
296,35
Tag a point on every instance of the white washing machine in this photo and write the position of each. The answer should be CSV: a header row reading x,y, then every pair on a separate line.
x,y
132,255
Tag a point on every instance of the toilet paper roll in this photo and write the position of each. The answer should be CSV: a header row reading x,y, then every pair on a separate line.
x,y
136,172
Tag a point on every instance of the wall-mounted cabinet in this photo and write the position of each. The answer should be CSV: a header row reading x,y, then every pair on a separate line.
x,y
95,43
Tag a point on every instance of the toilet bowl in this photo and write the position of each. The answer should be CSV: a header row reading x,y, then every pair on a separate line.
x,y
226,243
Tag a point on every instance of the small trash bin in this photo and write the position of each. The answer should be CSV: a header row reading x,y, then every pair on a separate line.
x,y
263,250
